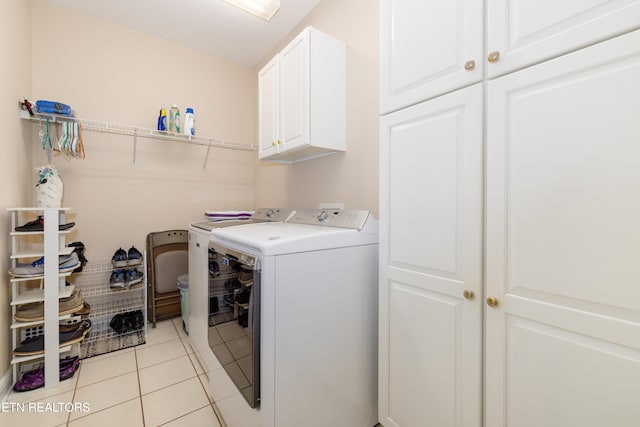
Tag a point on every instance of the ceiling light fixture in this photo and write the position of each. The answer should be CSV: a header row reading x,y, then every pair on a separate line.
x,y
264,9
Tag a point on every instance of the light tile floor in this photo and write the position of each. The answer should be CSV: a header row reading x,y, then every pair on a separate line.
x,y
155,384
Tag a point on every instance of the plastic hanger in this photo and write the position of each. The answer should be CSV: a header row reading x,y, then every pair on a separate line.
x,y
46,142
81,151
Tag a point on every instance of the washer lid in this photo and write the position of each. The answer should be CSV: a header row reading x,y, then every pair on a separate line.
x,y
210,225
259,215
276,238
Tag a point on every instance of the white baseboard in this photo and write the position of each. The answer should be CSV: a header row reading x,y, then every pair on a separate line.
x,y
6,384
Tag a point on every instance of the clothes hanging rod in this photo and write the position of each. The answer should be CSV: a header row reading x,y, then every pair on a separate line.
x,y
138,132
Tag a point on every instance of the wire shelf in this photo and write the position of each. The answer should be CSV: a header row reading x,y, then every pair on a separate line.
x,y
104,339
91,293
106,342
94,286
98,266
107,308
138,132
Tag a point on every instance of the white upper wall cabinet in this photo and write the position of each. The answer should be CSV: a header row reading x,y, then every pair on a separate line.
x,y
524,32
268,108
428,48
302,100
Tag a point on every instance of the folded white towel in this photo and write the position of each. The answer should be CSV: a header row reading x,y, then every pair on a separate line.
x,y
227,215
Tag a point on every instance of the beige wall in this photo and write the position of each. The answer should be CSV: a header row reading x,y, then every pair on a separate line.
x,y
110,73
351,177
15,161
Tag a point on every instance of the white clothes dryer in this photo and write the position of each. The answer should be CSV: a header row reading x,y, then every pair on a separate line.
x,y
200,279
304,352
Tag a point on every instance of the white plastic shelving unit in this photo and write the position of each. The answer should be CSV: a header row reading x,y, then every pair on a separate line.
x,y
50,288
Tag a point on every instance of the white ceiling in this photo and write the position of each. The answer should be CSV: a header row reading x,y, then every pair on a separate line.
x,y
211,26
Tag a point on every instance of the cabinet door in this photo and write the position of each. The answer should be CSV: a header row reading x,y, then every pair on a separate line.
x,y
563,232
424,47
268,109
294,93
524,32
430,358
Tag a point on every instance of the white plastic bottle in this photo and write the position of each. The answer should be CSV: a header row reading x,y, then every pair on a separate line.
x,y
174,119
189,122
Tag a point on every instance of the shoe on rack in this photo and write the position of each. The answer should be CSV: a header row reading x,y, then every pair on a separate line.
x,y
68,361
83,325
228,299
34,379
84,311
66,263
35,344
232,284
137,319
213,305
38,225
78,248
242,297
245,276
119,258
64,363
117,279
121,323
214,268
68,370
132,277
68,327
35,311
31,346
30,381
73,337
243,319
134,257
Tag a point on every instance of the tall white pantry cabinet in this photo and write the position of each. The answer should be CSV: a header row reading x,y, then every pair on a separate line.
x,y
510,213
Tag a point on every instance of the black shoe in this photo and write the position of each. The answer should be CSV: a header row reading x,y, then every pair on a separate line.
x,y
38,225
228,299
79,250
243,319
214,268
213,305
232,284
242,297
121,323
137,319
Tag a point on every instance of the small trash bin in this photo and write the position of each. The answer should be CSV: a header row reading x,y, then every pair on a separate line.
x,y
183,286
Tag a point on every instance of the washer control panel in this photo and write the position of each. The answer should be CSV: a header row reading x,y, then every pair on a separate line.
x,y
340,218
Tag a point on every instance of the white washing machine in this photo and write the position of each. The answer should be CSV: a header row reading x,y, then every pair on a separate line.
x,y
298,345
199,280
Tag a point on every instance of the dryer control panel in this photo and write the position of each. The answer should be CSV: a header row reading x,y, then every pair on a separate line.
x,y
271,215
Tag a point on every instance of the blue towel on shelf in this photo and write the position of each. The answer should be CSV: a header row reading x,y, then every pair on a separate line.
x,y
52,107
